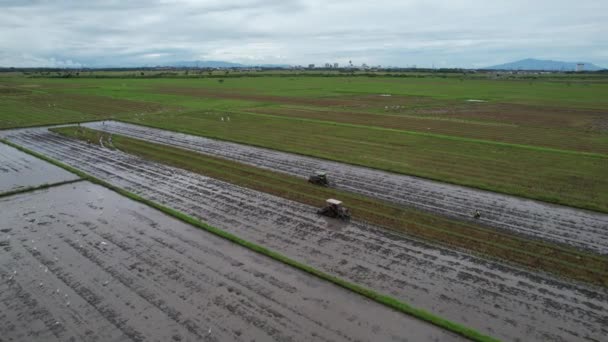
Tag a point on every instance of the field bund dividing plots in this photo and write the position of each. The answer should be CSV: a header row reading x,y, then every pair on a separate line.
x,y
579,228
497,299
84,263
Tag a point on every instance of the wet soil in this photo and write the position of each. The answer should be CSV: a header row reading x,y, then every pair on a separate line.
x,y
579,228
19,170
508,302
85,264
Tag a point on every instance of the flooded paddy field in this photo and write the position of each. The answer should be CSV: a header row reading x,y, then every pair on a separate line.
x,y
504,301
575,227
19,170
82,263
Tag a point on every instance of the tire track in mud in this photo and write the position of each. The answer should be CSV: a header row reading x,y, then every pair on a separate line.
x,y
576,227
41,285
181,279
494,298
177,254
131,273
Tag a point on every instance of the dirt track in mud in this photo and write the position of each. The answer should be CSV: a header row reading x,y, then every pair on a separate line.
x,y
504,301
83,263
19,170
579,228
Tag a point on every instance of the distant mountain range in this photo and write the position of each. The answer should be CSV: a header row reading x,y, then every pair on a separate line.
x,y
545,65
203,64
219,64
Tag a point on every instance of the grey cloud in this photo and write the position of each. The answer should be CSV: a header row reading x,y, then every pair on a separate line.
x,y
464,33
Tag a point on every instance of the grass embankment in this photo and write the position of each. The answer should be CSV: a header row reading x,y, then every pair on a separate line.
x,y
548,257
34,188
389,301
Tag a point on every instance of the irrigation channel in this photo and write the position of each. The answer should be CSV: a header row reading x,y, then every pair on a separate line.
x,y
84,263
579,228
497,299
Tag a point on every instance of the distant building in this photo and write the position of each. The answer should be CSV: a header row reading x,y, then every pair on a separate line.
x,y
311,66
328,65
336,65
580,66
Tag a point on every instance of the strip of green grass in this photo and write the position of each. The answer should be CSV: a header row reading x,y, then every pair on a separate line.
x,y
34,188
366,292
47,124
565,261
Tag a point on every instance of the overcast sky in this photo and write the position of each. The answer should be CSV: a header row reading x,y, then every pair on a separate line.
x,y
450,33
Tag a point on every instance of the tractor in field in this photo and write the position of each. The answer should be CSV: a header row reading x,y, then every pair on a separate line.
x,y
334,209
319,178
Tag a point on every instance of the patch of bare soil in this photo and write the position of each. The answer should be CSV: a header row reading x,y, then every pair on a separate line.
x,y
517,114
600,124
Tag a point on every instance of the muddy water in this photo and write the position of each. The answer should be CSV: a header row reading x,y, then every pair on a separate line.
x,y
501,300
85,263
19,170
579,228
